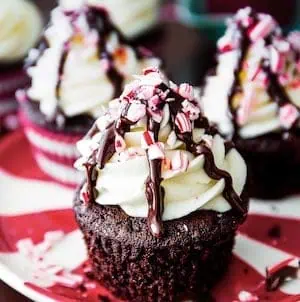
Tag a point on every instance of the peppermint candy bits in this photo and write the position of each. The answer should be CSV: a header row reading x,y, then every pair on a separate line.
x,y
183,123
288,114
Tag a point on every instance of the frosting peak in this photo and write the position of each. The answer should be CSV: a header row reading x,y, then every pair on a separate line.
x,y
20,27
82,64
256,87
178,163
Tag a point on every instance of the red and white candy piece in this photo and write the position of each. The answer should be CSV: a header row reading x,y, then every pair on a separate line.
x,y
186,91
146,92
136,111
226,44
282,45
154,102
85,195
152,77
288,114
183,123
246,105
150,70
120,144
180,161
191,110
277,60
147,139
262,29
156,115
156,151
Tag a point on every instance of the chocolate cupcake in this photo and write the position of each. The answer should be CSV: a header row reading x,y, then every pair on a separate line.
x,y
82,63
254,98
20,27
163,197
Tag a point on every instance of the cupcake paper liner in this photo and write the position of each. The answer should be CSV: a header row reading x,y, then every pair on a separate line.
x,y
54,152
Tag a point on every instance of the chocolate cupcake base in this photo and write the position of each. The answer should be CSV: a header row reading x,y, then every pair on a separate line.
x,y
192,255
273,162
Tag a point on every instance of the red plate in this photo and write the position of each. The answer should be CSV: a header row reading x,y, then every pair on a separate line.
x,y
42,254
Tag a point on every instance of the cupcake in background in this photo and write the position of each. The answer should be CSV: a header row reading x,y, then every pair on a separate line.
x,y
164,231
254,97
82,63
20,28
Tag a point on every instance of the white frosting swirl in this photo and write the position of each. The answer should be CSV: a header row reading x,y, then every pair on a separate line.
x,y
85,86
20,27
261,113
187,186
132,17
185,192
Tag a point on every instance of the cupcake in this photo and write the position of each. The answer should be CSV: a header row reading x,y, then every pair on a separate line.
x,y
82,63
254,98
164,194
20,26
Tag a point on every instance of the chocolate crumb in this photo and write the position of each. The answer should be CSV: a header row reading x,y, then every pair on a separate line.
x,y
275,231
103,298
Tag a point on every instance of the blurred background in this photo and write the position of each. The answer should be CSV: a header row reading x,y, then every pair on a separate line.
x,y
185,39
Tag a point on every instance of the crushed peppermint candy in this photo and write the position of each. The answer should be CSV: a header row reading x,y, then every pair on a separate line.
x,y
263,28
191,110
288,114
156,151
147,139
183,123
186,91
45,273
277,60
136,111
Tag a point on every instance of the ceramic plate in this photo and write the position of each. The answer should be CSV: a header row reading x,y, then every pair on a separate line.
x,y
42,254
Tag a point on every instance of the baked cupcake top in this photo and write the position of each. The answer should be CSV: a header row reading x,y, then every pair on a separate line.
x,y
256,86
20,27
131,17
155,155
82,63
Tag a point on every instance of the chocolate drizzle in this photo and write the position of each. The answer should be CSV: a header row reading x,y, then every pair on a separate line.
x,y
154,191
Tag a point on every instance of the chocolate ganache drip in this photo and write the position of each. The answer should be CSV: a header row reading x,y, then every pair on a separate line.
x,y
98,20
144,101
247,30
